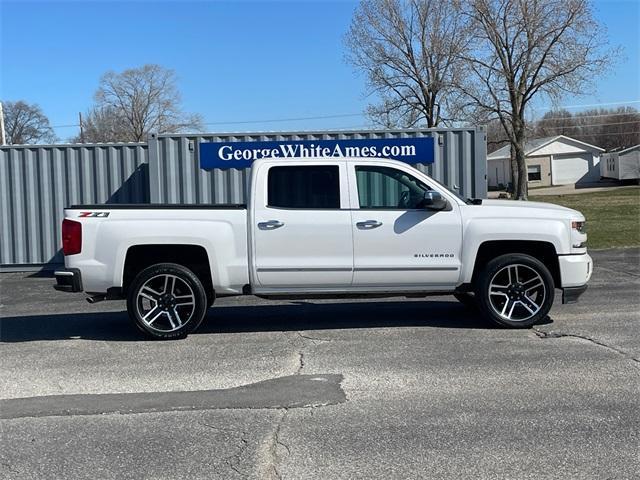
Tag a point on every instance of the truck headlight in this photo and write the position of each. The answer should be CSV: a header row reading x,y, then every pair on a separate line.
x,y
578,234
579,226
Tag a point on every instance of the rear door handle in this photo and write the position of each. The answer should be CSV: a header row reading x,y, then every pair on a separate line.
x,y
270,225
368,224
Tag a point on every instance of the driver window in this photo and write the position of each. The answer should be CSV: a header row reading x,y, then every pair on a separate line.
x,y
388,188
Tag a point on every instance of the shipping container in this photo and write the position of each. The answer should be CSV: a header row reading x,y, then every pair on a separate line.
x,y
459,161
38,181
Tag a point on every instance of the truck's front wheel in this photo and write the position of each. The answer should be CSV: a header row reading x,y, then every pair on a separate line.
x,y
515,290
166,301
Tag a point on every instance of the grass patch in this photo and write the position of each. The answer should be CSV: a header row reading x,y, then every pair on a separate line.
x,y
613,216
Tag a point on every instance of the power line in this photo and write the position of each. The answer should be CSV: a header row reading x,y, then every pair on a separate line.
x,y
577,115
65,126
269,120
346,115
551,127
585,106
603,133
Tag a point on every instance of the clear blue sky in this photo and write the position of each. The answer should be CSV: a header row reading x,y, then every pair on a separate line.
x,y
236,61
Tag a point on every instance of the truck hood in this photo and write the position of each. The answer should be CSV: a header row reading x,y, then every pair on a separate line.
x,y
524,204
526,208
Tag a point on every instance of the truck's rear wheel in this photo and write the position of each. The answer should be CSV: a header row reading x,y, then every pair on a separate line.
x,y
167,301
515,290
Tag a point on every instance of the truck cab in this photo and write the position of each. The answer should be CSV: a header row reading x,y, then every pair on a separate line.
x,y
363,226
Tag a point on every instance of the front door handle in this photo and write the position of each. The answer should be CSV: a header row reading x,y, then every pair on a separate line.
x,y
368,224
270,225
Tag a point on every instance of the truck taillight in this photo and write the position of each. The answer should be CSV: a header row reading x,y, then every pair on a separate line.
x,y
71,237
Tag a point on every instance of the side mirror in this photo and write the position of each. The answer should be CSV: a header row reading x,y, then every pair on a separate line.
x,y
434,201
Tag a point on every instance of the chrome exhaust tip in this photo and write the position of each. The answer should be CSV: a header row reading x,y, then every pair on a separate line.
x,y
96,298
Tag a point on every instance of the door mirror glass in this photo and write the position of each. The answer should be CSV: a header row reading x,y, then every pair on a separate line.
x,y
434,201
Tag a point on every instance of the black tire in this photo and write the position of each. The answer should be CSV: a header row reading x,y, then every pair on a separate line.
x,y
512,305
211,298
467,299
166,301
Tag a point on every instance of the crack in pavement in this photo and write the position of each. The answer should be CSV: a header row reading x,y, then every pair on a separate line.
x,y
631,274
274,441
277,442
313,339
269,466
272,464
233,461
552,334
301,362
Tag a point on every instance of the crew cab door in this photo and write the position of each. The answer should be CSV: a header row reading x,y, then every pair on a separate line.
x,y
397,242
301,229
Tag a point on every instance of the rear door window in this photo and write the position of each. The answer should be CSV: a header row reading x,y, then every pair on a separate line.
x,y
304,187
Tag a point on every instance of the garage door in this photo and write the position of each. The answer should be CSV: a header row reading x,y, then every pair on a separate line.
x,y
570,169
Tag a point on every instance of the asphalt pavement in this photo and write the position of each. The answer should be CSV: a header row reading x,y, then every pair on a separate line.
x,y
391,388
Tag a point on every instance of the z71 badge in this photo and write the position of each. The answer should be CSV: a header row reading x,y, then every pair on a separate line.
x,y
94,214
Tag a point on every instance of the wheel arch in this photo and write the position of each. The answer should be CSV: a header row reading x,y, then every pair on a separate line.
x,y
193,257
541,250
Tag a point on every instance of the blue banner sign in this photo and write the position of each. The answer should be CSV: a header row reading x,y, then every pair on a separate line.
x,y
242,154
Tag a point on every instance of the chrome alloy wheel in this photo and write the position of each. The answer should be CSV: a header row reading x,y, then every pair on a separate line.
x,y
516,292
165,303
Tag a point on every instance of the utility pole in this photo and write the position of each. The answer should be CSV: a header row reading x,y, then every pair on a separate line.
x,y
3,135
81,128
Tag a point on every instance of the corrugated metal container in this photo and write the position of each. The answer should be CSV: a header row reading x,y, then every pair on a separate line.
x,y
38,182
460,162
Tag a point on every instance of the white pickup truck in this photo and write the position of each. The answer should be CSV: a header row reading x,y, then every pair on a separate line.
x,y
326,228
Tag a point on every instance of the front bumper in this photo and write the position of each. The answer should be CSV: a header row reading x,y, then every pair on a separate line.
x,y
571,294
68,280
575,272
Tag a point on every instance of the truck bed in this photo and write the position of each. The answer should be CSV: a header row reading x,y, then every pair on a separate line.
x,y
109,231
159,206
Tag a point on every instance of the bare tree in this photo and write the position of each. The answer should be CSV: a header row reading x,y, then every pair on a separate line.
x,y
555,122
136,102
496,136
609,128
103,125
26,123
410,51
527,49
390,113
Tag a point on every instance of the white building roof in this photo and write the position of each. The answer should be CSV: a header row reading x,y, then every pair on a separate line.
x,y
534,145
629,150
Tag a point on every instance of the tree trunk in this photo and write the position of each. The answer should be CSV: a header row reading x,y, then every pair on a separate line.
x,y
514,172
521,187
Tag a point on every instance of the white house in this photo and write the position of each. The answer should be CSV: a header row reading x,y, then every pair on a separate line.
x,y
555,160
621,165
